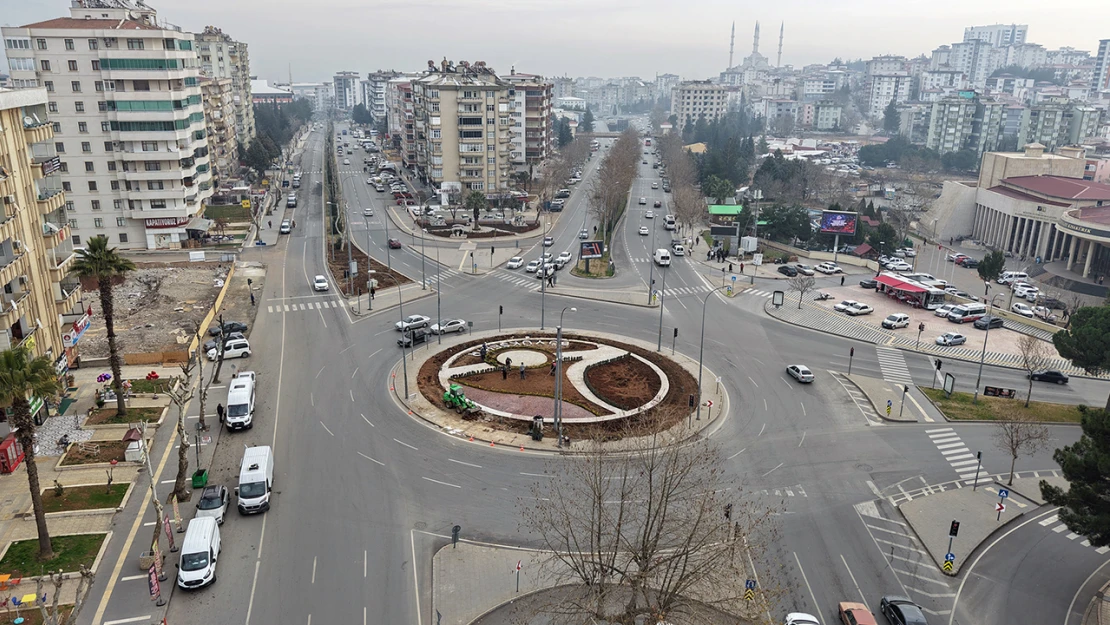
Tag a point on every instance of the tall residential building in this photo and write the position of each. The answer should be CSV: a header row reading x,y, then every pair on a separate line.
x,y
885,87
376,104
218,97
40,305
1101,80
223,57
399,119
965,121
698,98
827,114
998,35
461,118
530,111
348,91
125,101
319,93
1047,125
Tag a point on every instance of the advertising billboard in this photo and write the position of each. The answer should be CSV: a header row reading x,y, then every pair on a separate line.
x,y
590,249
838,222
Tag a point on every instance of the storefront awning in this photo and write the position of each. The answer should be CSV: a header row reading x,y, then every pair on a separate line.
x,y
900,285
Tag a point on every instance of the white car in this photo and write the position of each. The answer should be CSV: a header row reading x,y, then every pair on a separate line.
x,y
655,185
956,256
800,618
944,310
367,212
800,373
453,325
643,201
412,321
548,241
900,266
346,161
369,181
649,215
320,283
563,259
583,234
859,309
829,268
805,270
238,348
845,305
533,265
909,252
644,231
515,262
1042,312
951,338
896,320
213,503
1022,309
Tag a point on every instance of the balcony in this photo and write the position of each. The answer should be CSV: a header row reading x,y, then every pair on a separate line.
x,y
61,259
11,267
13,306
37,133
50,201
54,234
67,295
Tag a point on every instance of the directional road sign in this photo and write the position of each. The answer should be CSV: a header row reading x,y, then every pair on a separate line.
x,y
947,566
749,595
1003,493
749,584
949,557
1000,507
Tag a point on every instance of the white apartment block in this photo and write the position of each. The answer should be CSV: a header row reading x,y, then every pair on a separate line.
x,y
976,58
942,79
998,35
886,87
218,98
129,127
530,109
822,85
664,84
464,128
887,64
827,115
1101,80
348,92
698,98
319,93
223,57
376,92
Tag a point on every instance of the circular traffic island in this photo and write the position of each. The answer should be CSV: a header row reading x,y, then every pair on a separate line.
x,y
609,389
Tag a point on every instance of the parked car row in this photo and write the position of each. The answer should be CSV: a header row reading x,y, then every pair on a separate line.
x,y
897,609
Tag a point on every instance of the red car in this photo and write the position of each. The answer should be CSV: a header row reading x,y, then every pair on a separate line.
x,y
394,244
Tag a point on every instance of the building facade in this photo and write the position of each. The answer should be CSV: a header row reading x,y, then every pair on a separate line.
x,y
223,57
998,35
40,305
698,98
263,93
125,103
218,96
530,110
376,93
348,90
1101,81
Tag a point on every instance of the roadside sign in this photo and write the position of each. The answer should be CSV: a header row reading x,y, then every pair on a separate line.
x,y
152,582
949,557
590,249
947,566
1003,493
749,595
1000,507
749,584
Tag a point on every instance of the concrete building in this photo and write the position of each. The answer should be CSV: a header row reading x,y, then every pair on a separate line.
x,y
965,121
563,87
125,102
223,57
886,87
1101,79
827,115
375,92
218,98
263,93
40,306
348,90
998,35
664,84
464,128
698,98
319,93
821,85
399,120
530,110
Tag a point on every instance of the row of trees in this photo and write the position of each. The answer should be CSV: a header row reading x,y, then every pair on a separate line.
x,y
915,157
361,115
608,193
687,199
275,127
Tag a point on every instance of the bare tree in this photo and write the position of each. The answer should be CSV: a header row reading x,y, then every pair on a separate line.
x,y
802,284
649,530
180,398
1020,435
51,615
1035,356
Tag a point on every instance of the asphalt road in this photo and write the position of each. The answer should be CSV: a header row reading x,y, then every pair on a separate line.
x,y
365,494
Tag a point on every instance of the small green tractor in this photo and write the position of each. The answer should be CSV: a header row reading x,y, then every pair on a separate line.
x,y
457,401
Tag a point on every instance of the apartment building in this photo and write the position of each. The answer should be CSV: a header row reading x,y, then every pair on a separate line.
x,y
1101,80
218,97
998,35
698,98
263,93
821,85
129,129
965,121
463,125
885,87
348,90
40,304
319,93
375,93
530,110
827,115
399,119
223,57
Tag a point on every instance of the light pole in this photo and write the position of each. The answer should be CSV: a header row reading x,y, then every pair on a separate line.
x,y
879,268
662,291
558,415
701,350
651,266
543,290
983,356
369,280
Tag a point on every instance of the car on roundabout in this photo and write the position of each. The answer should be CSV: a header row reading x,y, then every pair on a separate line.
x,y
394,244
852,613
563,259
643,201
800,373
901,611
368,212
412,321
449,326
649,215
658,204
548,241
515,262
788,271
583,234
533,266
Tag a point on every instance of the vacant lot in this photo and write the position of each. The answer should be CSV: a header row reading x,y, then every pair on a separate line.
x,y
94,452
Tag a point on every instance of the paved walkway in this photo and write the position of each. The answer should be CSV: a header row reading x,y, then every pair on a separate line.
x,y
469,580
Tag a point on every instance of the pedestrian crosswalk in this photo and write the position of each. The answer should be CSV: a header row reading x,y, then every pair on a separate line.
x,y
686,290
893,364
788,491
758,292
958,456
304,306
1060,528
527,280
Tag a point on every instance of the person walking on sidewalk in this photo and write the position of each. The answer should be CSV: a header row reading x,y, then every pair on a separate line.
x,y
522,371
220,412
841,280
269,223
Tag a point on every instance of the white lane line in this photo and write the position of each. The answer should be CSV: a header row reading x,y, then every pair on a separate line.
x,y
354,373
938,430
366,420
464,463
326,428
753,382
874,489
853,579
773,470
134,619
369,458
762,428
313,576
149,523
405,444
808,587
131,578
375,353
352,392
319,372
803,409
439,482
364,575
765,404
738,453
535,474
803,439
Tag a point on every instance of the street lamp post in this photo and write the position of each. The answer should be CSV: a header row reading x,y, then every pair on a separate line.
x,y
557,417
701,350
983,355
439,309
651,266
662,291
369,280
879,268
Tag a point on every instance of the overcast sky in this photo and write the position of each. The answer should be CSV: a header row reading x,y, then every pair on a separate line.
x,y
604,38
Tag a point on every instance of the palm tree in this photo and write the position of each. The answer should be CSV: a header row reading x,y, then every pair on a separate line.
x,y
103,263
22,376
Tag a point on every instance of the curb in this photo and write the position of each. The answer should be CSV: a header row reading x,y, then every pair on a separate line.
x,y
970,554
878,411
29,515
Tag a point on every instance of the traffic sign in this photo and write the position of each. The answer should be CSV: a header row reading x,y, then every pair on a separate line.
x,y
709,403
949,557
947,567
1000,507
749,595
749,584
734,278
1003,493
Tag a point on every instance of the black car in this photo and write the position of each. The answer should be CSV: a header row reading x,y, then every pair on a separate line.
x,y
901,611
228,328
869,283
787,270
1050,302
970,263
413,337
988,322
1048,375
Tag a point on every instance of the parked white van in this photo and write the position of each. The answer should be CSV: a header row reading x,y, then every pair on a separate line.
x,y
199,552
662,257
256,480
1009,277
240,402
967,312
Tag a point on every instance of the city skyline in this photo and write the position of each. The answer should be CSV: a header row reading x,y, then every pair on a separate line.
x,y
692,45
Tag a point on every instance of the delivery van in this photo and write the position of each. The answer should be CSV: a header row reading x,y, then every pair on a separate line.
x,y
662,257
240,402
199,552
256,480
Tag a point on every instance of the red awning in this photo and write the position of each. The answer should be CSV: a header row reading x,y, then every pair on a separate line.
x,y
900,285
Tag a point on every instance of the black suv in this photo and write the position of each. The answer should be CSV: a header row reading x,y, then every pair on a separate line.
x,y
988,321
413,337
787,270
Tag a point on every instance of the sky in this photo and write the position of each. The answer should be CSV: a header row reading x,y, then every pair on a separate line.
x,y
604,38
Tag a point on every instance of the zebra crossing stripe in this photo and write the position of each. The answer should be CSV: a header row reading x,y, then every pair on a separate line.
x,y
269,309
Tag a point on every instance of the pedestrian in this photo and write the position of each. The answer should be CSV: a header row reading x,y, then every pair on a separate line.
x,y
841,280
508,362
552,368
483,351
269,224
741,267
522,371
697,239
372,291
220,412
252,299
504,372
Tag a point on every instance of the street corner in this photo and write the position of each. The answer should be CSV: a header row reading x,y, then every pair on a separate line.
x,y
952,524
889,399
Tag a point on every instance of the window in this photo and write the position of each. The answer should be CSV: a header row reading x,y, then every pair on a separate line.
x,y
17,44
79,106
150,146
82,127
102,106
105,126
489,148
122,236
41,43
57,126
153,166
111,165
140,85
92,185
114,183
89,167
72,65
64,168
49,84
86,146
96,65
44,64
75,86
491,160
96,205
76,239
70,206
489,108
118,205
52,106
59,147
110,85
134,44
94,44
65,185
155,185
98,222
157,203
121,221
135,205
21,65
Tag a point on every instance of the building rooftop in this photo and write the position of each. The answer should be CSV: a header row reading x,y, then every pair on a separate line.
x,y
261,87
73,23
1061,187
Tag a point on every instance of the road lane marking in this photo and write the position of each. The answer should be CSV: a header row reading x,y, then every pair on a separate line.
x,y
465,463
803,439
762,428
364,575
951,445
938,430
131,578
134,619
352,392
321,371
803,409
439,482
765,404
366,420
753,382
808,587
369,458
405,444
773,470
354,373
738,453
874,489
313,578
535,474
326,428
864,598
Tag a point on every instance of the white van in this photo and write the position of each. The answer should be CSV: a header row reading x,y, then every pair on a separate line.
x,y
1009,277
256,480
240,402
668,222
199,552
679,249
967,312
662,257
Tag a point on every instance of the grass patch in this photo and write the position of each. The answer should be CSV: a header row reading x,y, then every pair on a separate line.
x,y
961,406
599,268
142,385
70,552
84,498
234,213
93,452
32,616
108,416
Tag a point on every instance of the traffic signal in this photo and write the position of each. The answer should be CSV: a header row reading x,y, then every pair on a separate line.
x,y
676,333
938,364
691,400
955,529
500,310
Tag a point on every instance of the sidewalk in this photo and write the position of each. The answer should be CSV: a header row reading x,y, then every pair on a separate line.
x,y
881,393
470,580
388,298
